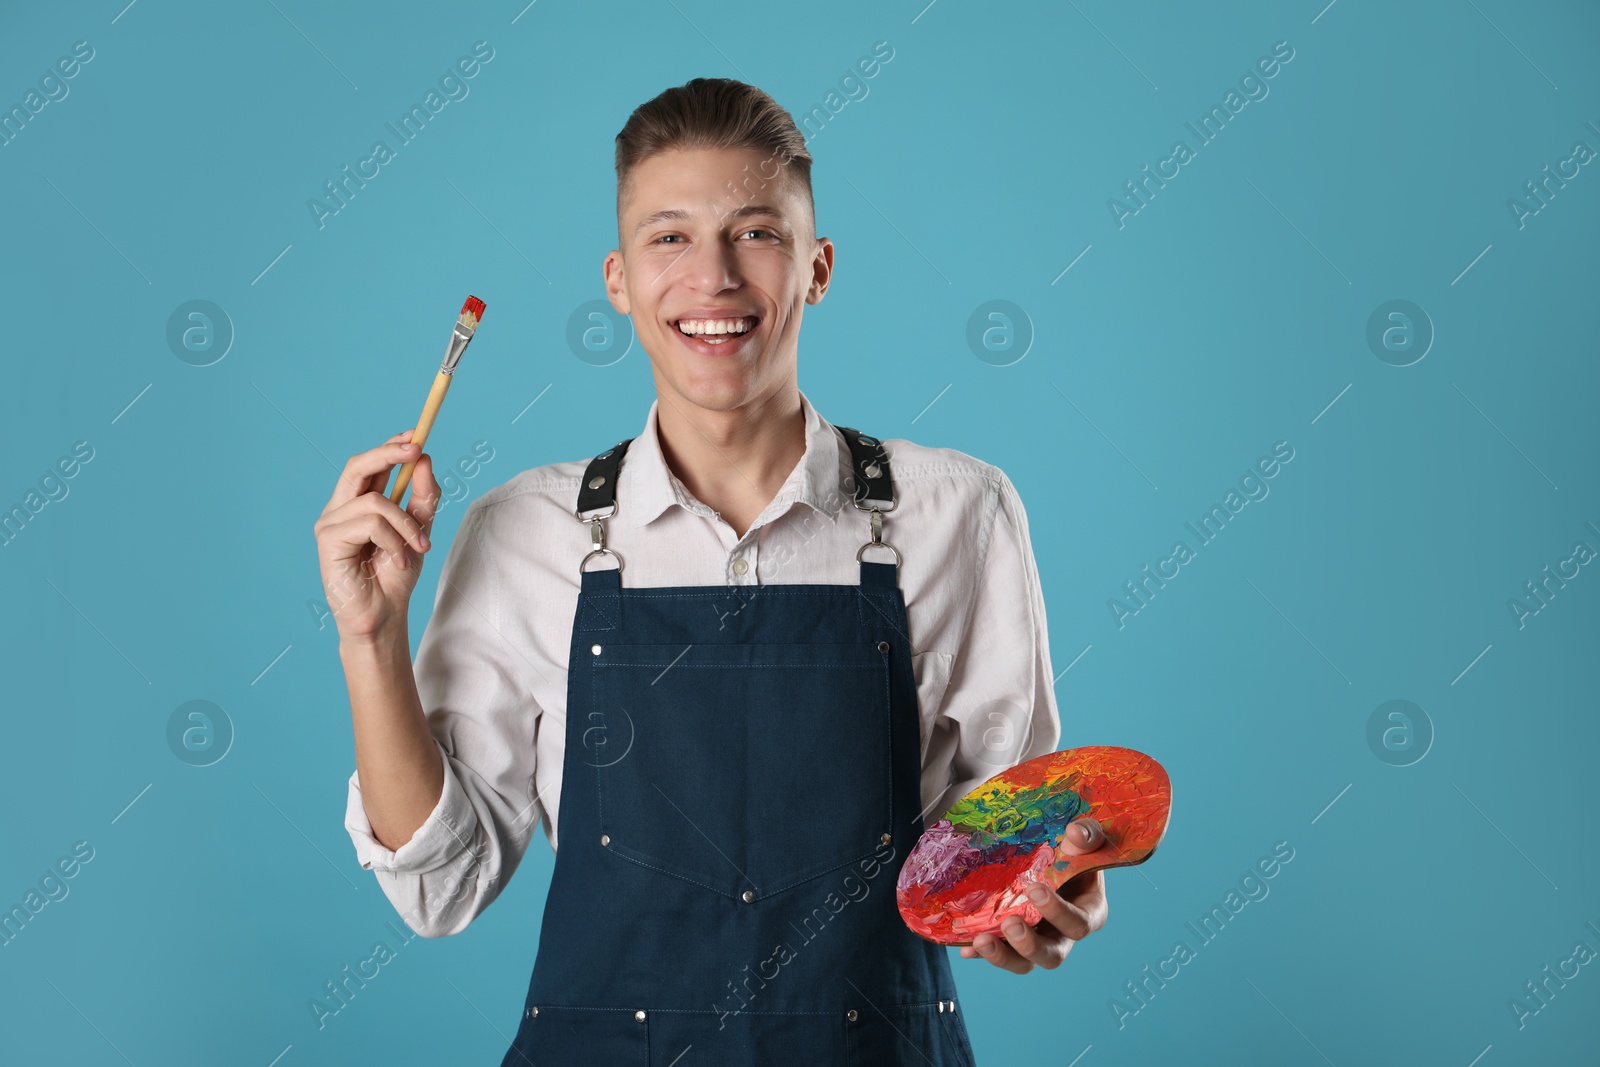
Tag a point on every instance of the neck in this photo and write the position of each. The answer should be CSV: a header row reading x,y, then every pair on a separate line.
x,y
734,460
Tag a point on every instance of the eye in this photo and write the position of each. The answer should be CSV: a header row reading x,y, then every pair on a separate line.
x,y
664,237
766,232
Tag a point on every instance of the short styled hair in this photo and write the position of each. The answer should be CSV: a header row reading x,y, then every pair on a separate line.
x,y
716,113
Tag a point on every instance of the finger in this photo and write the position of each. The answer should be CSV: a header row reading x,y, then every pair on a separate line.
x,y
1077,909
425,494
400,519
373,525
1041,945
371,528
1001,954
1082,835
367,472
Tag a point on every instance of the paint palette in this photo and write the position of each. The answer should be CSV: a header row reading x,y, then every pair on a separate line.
x,y
969,870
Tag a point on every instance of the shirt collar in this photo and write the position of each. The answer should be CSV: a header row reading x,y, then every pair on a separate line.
x,y
817,480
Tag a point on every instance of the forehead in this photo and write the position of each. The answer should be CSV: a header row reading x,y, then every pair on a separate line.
x,y
710,184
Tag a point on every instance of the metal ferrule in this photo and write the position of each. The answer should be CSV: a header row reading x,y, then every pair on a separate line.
x,y
459,339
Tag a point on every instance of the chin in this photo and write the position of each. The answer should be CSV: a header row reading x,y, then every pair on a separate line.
x,y
718,396
719,389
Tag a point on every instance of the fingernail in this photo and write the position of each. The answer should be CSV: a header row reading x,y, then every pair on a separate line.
x,y
1037,893
1013,930
1084,833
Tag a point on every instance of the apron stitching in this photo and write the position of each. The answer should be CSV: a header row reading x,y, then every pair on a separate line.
x,y
633,857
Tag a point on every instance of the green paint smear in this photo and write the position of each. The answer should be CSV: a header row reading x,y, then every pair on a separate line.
x,y
1025,817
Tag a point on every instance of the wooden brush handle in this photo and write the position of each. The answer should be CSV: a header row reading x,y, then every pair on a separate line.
x,y
419,436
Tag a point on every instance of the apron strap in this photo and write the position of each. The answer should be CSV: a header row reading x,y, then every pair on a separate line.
x,y
596,493
869,464
599,488
874,494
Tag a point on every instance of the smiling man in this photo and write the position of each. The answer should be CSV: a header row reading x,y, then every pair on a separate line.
x,y
769,647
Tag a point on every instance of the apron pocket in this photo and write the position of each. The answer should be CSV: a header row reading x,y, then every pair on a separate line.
x,y
562,1036
743,767
920,1035
767,1038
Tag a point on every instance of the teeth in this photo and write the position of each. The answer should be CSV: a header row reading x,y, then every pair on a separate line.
x,y
715,327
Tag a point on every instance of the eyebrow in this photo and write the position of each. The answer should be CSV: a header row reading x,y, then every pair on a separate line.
x,y
679,215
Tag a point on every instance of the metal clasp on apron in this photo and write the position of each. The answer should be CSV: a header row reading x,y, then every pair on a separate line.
x,y
598,490
877,533
597,534
873,467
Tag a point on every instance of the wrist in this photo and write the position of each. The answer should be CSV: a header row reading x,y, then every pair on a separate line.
x,y
384,645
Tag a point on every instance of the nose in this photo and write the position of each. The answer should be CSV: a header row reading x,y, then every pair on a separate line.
x,y
712,265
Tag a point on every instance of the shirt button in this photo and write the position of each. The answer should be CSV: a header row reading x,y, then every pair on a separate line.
x,y
747,896
740,566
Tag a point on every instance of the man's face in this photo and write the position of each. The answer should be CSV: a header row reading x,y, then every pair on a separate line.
x,y
715,241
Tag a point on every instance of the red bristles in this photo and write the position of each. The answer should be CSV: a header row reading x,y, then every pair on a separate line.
x,y
475,306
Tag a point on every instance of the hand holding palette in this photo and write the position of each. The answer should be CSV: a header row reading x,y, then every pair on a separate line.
x,y
969,870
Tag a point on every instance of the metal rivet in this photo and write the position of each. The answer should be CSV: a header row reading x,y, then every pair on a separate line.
x,y
883,646
605,839
952,1007
747,896
873,470
595,649
941,1007
867,440
606,453
597,481
851,1015
638,1016
886,838
533,1012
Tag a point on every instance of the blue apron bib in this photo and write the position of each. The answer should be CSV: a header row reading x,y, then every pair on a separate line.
x,y
741,785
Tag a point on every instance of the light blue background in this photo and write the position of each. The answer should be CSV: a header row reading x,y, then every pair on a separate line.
x,y
1229,314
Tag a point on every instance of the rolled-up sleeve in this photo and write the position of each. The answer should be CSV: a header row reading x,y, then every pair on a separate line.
x,y
473,686
1001,702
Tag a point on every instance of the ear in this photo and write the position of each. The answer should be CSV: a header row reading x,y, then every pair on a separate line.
x,y
616,289
821,271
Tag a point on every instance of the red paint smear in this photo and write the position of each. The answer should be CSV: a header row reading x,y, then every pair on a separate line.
x,y
475,306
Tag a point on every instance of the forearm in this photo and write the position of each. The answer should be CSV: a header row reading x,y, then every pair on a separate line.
x,y
397,758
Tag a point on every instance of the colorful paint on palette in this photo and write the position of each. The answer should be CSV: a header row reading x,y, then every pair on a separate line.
x,y
970,869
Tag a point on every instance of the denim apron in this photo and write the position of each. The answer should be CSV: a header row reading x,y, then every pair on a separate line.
x,y
740,787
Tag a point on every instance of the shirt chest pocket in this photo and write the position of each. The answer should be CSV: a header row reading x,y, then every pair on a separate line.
x,y
745,768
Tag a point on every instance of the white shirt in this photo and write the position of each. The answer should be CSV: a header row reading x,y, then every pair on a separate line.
x,y
491,667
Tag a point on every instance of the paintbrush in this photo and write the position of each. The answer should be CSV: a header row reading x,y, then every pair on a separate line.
x,y
466,326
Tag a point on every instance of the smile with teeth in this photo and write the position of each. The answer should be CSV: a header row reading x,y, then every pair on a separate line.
x,y
716,331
